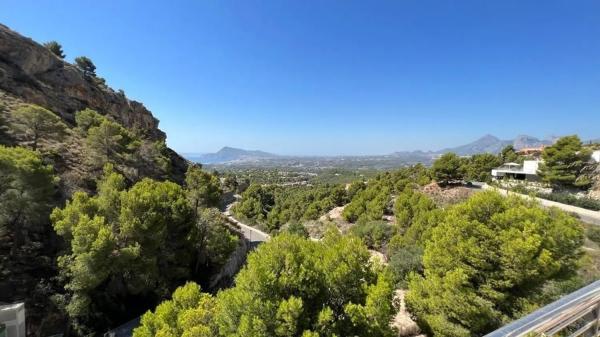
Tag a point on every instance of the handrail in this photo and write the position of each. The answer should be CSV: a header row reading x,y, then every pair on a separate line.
x,y
559,315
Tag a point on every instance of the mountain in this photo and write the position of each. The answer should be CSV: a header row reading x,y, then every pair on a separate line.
x,y
524,141
487,143
31,74
492,144
240,157
230,154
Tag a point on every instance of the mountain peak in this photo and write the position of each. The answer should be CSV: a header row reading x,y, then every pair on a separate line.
x,y
489,137
231,154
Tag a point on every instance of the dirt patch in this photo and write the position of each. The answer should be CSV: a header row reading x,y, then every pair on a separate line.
x,y
449,195
403,322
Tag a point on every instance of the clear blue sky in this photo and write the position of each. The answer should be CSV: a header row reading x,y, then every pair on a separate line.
x,y
338,77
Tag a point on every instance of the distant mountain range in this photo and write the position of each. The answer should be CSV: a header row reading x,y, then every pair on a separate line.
x,y
487,143
492,144
231,154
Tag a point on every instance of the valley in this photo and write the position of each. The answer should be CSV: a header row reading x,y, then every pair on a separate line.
x,y
107,230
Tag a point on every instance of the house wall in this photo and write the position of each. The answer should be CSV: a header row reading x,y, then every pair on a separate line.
x,y
531,166
596,156
13,317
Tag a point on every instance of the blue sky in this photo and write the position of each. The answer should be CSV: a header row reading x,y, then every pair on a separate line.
x,y
338,77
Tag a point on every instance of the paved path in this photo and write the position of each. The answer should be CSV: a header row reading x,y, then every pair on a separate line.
x,y
252,234
585,215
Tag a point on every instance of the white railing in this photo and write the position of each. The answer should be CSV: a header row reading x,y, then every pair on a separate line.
x,y
576,314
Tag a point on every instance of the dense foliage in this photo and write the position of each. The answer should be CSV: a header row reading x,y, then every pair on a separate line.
x,y
204,188
509,155
290,287
37,124
486,261
106,141
478,167
27,190
273,206
375,234
416,215
563,163
372,201
409,205
447,169
134,245
189,313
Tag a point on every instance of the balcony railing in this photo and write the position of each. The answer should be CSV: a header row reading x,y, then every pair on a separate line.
x,y
576,314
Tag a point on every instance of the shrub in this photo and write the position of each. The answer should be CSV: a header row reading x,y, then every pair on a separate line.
x,y
55,48
375,234
404,261
593,233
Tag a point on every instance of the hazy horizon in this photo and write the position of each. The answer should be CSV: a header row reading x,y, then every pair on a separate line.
x,y
363,154
338,78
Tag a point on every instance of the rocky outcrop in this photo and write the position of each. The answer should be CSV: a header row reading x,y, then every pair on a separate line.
x,y
30,71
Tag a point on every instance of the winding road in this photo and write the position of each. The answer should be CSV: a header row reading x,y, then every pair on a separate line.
x,y
585,215
253,235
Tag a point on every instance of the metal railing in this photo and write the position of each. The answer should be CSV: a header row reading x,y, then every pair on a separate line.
x,y
576,314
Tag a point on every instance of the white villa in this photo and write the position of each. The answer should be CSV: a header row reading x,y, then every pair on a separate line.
x,y
12,320
526,171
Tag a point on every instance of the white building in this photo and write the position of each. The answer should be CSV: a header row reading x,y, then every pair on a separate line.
x,y
596,156
12,320
526,171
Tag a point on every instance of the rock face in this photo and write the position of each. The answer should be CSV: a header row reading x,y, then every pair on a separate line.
x,y
30,71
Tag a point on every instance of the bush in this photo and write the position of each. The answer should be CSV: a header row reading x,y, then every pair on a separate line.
x,y
375,234
55,48
486,261
404,261
593,233
86,65
297,228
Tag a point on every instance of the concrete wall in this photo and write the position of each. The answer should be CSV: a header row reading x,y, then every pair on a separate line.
x,y
224,278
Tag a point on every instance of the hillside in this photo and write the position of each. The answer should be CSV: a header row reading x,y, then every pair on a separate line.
x,y
30,73
33,77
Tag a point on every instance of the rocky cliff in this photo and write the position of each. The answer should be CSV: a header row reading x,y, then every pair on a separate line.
x,y
30,71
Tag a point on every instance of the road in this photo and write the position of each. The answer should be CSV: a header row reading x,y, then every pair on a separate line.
x,y
253,235
585,215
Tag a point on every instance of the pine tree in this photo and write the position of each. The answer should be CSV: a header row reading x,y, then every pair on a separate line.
x,y
55,48
564,162
38,123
